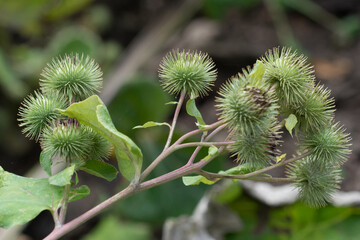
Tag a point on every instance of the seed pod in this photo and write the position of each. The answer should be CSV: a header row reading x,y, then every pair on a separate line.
x,y
191,72
315,111
316,182
68,141
74,76
291,75
330,145
248,107
257,151
99,147
37,112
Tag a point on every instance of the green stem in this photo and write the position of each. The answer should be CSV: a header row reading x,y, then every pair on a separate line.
x,y
203,144
171,148
64,205
176,115
253,175
65,202
214,176
55,215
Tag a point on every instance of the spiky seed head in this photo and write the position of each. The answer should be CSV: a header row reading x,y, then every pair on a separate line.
x,y
316,110
99,148
246,105
66,141
316,183
192,72
37,112
290,73
257,151
330,144
74,76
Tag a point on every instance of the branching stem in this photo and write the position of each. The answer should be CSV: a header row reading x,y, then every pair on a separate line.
x,y
171,148
185,170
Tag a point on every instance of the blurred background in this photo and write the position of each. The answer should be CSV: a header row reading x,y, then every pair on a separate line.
x,y
128,38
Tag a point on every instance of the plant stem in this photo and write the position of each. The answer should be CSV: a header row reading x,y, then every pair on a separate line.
x,y
252,175
282,163
59,232
213,176
203,144
64,205
187,169
55,215
176,115
65,202
170,149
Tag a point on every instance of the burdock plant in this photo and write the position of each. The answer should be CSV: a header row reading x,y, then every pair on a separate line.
x,y
254,108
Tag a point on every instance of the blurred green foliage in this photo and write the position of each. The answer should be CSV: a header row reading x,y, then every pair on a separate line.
x,y
111,228
290,222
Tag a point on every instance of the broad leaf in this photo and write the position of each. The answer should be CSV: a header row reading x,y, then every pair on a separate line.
x,y
79,193
192,110
152,124
22,199
62,178
196,180
100,169
45,162
290,123
93,113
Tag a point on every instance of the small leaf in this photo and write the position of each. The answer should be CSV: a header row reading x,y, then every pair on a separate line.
x,y
192,110
240,169
258,70
151,124
22,199
45,162
100,169
62,178
171,103
280,158
196,180
79,193
211,152
290,123
92,112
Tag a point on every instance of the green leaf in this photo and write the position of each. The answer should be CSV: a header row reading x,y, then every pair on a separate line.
x,y
171,103
240,169
79,193
93,113
62,178
45,162
22,199
211,152
258,70
196,180
290,123
192,110
151,124
100,169
280,158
